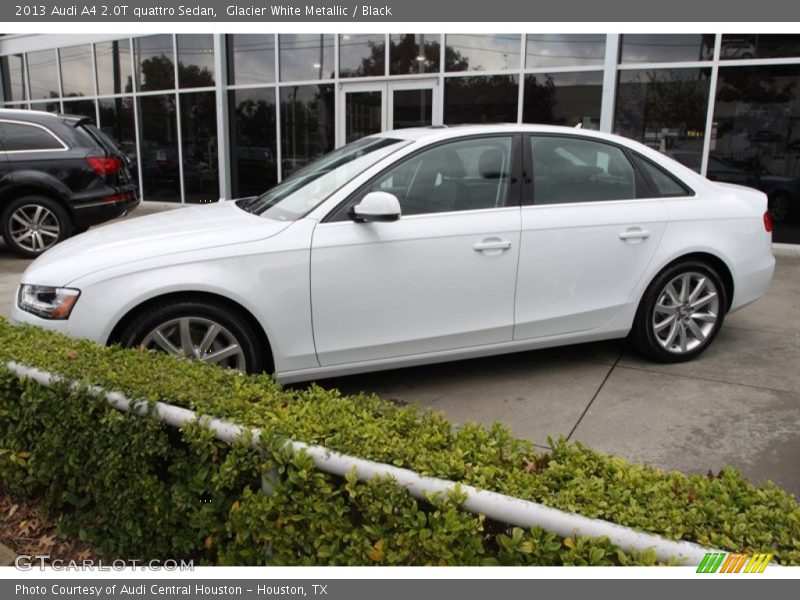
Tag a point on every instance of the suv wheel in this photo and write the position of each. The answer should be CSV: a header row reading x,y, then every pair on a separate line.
x,y
32,224
681,312
197,330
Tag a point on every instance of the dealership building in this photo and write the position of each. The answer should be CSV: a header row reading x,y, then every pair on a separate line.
x,y
204,117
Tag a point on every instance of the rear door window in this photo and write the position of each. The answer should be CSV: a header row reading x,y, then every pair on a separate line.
x,y
22,137
571,169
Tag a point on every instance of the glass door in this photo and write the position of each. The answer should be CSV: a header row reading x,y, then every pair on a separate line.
x,y
362,111
367,108
413,104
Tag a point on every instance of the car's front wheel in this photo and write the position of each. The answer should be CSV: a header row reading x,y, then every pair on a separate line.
x,y
203,330
33,224
680,313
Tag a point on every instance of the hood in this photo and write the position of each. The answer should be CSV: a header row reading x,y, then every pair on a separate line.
x,y
141,238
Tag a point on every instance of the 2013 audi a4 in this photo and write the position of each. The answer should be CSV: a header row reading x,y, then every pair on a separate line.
x,y
418,246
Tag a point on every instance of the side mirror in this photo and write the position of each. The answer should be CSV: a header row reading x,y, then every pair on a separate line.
x,y
376,206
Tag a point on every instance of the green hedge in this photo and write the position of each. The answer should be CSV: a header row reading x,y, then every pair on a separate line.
x,y
136,488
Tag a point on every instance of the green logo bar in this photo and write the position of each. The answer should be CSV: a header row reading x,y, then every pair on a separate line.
x,y
711,562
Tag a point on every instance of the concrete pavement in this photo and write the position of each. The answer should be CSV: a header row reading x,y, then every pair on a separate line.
x,y
737,405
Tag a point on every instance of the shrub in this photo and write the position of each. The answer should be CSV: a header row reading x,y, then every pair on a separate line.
x,y
136,488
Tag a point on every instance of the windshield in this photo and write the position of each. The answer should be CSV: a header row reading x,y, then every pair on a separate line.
x,y
310,186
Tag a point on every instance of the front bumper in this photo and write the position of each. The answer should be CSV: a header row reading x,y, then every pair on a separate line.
x,y
20,317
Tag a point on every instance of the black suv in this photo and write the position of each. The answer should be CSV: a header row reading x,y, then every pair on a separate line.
x,y
59,175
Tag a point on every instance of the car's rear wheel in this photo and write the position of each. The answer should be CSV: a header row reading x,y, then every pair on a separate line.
x,y
680,313
205,330
33,224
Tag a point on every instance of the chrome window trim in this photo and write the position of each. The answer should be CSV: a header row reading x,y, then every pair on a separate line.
x,y
63,148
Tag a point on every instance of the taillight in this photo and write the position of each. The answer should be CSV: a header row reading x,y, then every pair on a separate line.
x,y
767,222
104,165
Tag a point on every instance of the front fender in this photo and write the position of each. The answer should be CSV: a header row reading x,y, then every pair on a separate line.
x,y
270,279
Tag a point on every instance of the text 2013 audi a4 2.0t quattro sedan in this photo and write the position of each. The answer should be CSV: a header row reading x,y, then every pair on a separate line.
x,y
418,246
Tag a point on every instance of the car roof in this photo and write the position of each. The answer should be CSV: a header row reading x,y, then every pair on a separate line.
x,y
437,132
39,116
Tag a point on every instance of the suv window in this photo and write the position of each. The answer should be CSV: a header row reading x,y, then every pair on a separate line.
x,y
569,169
462,175
23,137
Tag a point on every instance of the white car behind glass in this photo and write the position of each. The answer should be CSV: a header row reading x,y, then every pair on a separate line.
x,y
423,245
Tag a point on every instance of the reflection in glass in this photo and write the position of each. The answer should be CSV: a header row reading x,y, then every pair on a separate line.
x,y
362,111
306,56
481,52
543,50
664,108
637,48
412,108
76,70
52,107
251,58
83,108
254,166
361,55
159,151
199,146
484,99
563,99
113,61
743,46
117,122
307,124
411,53
42,74
155,69
11,70
756,139
195,60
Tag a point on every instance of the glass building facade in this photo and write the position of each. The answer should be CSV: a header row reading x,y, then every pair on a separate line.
x,y
204,116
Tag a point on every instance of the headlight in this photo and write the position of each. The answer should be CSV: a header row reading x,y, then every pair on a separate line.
x,y
47,302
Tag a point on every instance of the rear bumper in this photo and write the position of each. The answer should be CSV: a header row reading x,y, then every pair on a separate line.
x,y
104,209
753,282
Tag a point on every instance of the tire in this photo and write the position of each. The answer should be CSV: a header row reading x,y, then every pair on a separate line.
x,y
666,326
32,224
162,327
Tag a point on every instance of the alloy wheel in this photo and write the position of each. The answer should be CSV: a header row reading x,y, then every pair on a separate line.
x,y
34,227
197,338
686,312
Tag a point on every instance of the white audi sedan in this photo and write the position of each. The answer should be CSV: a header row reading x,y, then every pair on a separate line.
x,y
422,245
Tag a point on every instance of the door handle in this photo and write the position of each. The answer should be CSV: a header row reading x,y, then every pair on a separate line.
x,y
492,244
634,234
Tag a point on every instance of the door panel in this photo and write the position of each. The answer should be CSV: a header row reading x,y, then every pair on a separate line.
x,y
575,271
439,278
588,238
417,285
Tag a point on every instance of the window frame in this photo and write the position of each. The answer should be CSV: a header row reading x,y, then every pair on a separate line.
x,y
4,150
644,187
636,156
341,212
